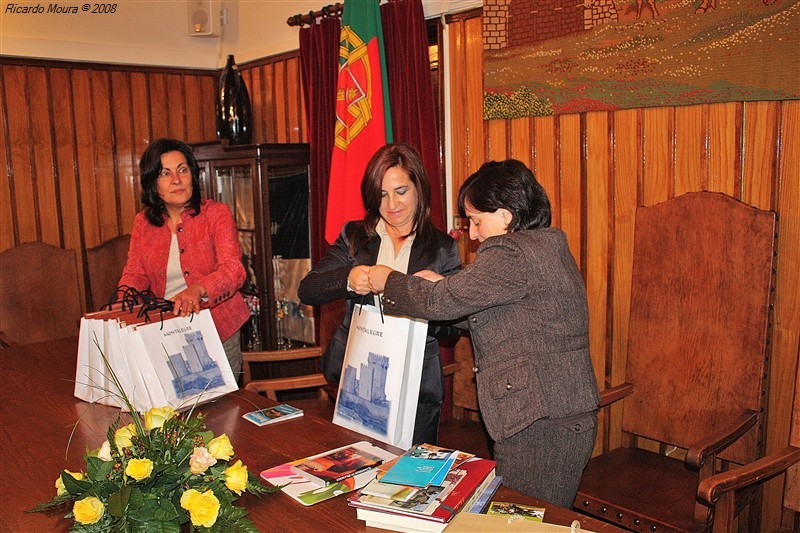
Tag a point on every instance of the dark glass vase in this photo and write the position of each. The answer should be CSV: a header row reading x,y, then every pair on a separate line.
x,y
234,114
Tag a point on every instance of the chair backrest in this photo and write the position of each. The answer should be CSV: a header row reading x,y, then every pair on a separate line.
x,y
271,386
699,319
105,263
39,293
791,499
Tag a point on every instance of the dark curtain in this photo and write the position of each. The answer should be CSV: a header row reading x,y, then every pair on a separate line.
x,y
414,117
319,63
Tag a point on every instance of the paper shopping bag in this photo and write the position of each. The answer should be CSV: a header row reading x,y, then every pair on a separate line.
x,y
379,388
180,359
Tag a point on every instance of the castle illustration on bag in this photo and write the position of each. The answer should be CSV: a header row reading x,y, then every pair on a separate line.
x,y
193,369
363,394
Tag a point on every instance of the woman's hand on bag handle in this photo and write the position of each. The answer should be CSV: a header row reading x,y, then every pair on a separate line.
x,y
378,276
358,280
189,300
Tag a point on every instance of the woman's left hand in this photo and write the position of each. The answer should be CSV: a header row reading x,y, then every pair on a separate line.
x,y
189,300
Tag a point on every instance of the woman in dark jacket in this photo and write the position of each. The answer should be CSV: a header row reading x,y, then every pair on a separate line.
x,y
396,231
525,306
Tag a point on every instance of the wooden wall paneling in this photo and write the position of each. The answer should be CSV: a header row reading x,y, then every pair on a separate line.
x,y
255,87
760,139
497,140
195,110
571,184
626,154
476,148
270,103
658,155
7,221
599,211
724,146
691,161
85,144
65,155
23,189
159,121
42,164
520,141
176,103
142,133
281,115
786,313
545,162
125,150
105,189
458,120
208,93
293,101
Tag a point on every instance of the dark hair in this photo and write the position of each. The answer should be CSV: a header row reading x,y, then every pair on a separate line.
x,y
511,185
150,168
408,159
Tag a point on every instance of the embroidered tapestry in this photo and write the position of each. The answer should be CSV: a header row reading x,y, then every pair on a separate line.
x,y
547,57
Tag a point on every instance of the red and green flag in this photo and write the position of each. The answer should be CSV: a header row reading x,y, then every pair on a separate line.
x,y
363,120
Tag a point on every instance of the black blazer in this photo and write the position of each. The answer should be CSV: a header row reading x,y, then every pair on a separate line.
x,y
327,282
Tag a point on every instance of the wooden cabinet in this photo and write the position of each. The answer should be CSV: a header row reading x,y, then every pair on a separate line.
x,y
266,187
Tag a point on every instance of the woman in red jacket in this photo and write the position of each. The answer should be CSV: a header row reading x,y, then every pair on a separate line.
x,y
185,248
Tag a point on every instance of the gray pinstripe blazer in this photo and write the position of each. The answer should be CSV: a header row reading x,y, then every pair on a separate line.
x,y
526,309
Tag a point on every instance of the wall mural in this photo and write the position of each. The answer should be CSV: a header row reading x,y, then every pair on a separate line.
x,y
547,57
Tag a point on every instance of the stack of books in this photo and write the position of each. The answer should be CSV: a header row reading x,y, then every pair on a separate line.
x,y
423,489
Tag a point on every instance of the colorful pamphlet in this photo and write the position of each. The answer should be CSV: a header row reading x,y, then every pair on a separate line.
x,y
336,465
528,512
270,415
420,467
309,493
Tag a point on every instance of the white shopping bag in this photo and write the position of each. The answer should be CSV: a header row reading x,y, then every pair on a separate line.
x,y
379,387
175,361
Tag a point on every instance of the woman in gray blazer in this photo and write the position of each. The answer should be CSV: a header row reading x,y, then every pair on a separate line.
x,y
395,231
524,302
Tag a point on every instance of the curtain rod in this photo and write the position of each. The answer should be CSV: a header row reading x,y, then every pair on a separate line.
x,y
334,10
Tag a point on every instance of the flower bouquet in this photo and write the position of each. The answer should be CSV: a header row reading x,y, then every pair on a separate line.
x,y
158,472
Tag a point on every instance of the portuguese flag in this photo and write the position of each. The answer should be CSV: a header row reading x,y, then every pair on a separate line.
x,y
363,120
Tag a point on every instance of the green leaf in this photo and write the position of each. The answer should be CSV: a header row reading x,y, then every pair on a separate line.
x,y
75,486
97,469
118,501
156,526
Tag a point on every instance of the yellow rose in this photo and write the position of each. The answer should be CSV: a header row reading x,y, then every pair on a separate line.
x,y
203,507
221,447
60,488
236,477
201,460
156,416
122,436
139,469
88,510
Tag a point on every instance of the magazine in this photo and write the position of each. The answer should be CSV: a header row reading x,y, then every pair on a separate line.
x,y
270,415
528,512
337,465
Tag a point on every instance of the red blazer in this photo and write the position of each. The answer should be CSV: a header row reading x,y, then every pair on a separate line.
x,y
210,255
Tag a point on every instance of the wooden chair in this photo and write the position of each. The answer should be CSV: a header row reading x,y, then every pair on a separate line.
x,y
104,264
694,396
39,293
321,404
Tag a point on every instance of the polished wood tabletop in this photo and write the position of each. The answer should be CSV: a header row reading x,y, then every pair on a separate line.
x,y
39,413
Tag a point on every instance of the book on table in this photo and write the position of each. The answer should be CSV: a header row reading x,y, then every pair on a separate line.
x,y
270,415
432,507
421,466
528,512
309,492
337,465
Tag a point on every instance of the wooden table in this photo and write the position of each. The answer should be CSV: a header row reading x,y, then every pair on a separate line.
x,y
38,413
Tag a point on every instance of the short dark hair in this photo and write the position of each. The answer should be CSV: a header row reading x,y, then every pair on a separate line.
x,y
407,158
150,168
511,185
